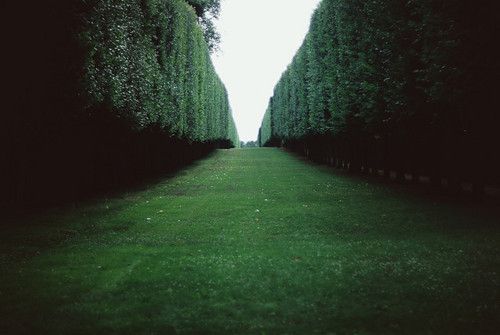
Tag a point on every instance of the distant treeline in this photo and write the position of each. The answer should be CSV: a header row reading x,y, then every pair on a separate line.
x,y
102,92
389,85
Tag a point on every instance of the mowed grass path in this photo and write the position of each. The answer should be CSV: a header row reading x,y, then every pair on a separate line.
x,y
254,241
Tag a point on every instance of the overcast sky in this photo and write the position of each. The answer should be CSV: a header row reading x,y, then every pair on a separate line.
x,y
259,40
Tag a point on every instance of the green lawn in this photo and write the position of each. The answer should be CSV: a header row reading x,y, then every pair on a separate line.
x,y
254,241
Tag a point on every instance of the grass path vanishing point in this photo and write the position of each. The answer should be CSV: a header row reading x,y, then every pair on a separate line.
x,y
254,241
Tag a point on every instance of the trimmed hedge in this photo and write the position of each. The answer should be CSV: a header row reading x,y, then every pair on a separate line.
x,y
102,92
402,86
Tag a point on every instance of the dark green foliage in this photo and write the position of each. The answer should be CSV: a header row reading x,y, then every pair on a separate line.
x,y
402,85
106,89
250,144
148,61
265,130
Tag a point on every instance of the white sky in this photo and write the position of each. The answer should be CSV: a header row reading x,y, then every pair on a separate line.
x,y
259,40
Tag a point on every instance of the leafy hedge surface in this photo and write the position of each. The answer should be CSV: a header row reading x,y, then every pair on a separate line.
x,y
149,62
265,131
395,85
104,91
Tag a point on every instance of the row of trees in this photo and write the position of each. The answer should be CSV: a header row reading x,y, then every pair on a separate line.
x,y
402,86
149,63
105,91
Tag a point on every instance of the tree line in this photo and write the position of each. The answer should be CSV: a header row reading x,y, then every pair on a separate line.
x,y
102,92
394,87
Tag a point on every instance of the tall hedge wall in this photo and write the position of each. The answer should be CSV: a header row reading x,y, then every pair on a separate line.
x,y
402,86
265,131
104,91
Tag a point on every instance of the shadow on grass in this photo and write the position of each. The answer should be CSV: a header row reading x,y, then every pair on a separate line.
x,y
420,191
26,213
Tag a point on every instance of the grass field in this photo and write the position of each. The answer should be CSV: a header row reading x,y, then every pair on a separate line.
x,y
254,241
